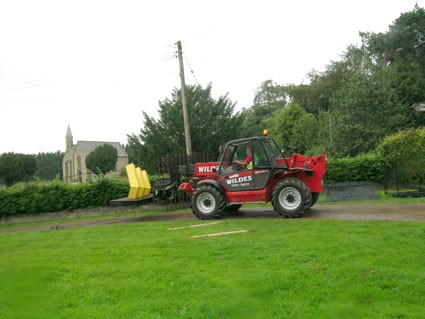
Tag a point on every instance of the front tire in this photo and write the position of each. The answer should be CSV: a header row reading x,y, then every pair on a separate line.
x,y
290,197
314,199
207,202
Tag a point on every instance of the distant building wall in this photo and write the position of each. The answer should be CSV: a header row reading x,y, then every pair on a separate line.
x,y
74,162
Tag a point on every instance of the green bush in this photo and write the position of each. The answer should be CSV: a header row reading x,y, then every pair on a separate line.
x,y
367,167
35,198
403,153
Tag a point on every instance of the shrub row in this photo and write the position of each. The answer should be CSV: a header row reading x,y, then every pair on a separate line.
x,y
368,167
35,198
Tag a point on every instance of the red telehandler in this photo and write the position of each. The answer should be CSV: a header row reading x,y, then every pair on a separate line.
x,y
291,184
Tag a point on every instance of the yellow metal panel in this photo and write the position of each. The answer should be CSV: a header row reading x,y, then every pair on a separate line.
x,y
132,178
141,189
146,182
139,182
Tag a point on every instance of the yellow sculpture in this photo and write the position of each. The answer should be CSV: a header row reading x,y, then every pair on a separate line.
x,y
139,182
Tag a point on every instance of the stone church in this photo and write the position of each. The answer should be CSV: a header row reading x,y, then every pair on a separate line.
x,y
74,162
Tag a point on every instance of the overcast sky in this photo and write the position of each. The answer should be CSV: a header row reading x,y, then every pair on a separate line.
x,y
96,65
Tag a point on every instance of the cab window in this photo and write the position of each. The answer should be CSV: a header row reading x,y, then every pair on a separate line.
x,y
227,157
234,157
274,154
260,159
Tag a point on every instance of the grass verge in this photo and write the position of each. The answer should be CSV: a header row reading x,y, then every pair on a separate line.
x,y
283,269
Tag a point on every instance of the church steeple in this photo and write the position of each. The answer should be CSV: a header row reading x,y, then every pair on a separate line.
x,y
69,139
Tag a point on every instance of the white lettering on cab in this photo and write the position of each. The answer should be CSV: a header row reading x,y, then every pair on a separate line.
x,y
207,169
238,180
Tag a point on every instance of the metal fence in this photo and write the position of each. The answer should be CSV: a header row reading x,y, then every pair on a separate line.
x,y
397,185
168,163
342,191
167,197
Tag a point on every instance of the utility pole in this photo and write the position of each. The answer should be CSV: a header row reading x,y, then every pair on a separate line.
x,y
185,114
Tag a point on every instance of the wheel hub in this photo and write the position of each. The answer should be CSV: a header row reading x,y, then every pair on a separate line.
x,y
290,198
206,203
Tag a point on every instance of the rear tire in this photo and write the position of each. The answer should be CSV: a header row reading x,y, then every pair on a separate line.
x,y
290,197
207,202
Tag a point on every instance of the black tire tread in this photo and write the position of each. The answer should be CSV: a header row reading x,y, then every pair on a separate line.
x,y
314,199
305,195
220,199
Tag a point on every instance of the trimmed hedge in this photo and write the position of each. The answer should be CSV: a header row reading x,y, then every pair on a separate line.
x,y
35,198
367,167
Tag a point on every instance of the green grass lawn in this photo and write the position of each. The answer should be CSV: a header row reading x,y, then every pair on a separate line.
x,y
285,268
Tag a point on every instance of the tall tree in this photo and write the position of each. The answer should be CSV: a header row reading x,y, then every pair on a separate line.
x,y
365,110
269,98
368,94
402,49
293,127
405,40
316,96
212,122
390,76
407,36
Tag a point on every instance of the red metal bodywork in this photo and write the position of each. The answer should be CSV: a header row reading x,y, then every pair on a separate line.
x,y
315,163
309,169
206,170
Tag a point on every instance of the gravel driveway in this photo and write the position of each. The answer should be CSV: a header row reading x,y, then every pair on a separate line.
x,y
413,212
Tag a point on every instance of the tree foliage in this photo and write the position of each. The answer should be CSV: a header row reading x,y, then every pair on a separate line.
x,y
271,95
103,159
16,168
404,152
316,96
402,49
293,127
269,98
366,110
368,94
404,41
49,166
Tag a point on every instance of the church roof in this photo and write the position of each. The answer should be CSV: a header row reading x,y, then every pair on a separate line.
x,y
89,146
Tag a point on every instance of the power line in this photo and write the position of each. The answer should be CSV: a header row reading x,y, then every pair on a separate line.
x,y
190,68
187,61
20,86
13,85
32,99
6,78
170,58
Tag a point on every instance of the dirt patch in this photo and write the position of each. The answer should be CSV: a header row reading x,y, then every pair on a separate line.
x,y
363,211
413,212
